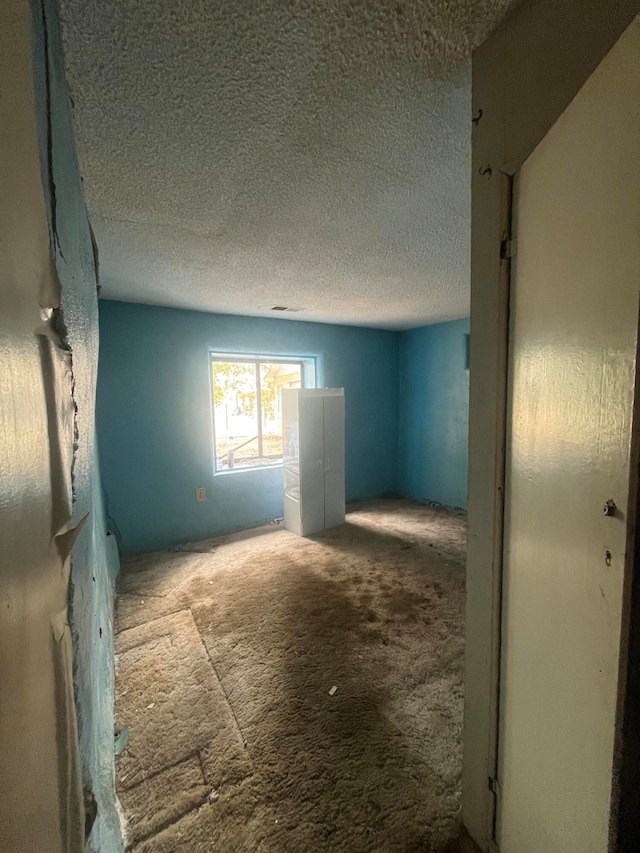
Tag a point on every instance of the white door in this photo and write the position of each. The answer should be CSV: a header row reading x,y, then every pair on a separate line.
x,y
333,460
311,413
574,314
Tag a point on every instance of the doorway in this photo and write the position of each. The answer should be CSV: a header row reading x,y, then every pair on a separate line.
x,y
575,280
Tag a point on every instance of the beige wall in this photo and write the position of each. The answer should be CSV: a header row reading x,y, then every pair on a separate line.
x,y
40,788
523,78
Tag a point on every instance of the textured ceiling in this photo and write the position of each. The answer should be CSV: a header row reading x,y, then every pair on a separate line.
x,y
241,155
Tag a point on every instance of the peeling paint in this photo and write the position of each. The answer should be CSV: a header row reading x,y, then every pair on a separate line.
x,y
56,716
79,534
38,732
65,539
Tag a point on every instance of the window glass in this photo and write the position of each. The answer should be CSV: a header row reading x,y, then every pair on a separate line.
x,y
248,411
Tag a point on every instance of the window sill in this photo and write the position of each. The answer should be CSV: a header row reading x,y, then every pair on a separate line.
x,y
245,469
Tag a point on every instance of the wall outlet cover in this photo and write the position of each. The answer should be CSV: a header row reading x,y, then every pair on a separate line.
x,y
201,495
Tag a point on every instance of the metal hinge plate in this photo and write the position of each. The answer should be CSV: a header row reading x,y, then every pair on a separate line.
x,y
508,249
494,787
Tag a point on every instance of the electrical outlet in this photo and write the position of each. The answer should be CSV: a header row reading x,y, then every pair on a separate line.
x,y
201,495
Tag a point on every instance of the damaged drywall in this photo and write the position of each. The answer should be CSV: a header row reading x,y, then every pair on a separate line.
x,y
40,785
94,558
56,715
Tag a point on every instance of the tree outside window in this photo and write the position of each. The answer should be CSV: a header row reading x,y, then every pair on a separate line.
x,y
248,410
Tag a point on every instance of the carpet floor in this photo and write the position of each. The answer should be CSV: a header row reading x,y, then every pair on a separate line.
x,y
287,694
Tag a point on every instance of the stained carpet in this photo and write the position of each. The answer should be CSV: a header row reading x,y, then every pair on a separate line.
x,y
227,655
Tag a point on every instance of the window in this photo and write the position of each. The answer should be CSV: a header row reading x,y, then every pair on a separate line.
x,y
247,409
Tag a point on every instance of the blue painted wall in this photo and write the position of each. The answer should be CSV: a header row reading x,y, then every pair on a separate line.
x,y
434,413
94,559
154,417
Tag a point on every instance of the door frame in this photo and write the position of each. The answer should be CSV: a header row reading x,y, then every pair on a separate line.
x,y
506,251
624,827
523,77
624,832
624,819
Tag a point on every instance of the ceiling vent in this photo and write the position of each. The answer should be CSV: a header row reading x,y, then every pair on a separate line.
x,y
285,308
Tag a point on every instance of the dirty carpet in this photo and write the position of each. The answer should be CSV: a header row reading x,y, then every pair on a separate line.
x,y
288,694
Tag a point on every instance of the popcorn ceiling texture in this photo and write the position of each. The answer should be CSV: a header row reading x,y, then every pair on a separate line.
x,y
312,154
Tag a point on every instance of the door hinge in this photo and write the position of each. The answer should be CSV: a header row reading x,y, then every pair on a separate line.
x,y
507,249
494,787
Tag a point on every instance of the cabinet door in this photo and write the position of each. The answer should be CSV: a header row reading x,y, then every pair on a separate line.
x,y
311,438
291,472
333,461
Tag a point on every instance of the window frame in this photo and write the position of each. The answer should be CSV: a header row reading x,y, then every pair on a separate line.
x,y
304,363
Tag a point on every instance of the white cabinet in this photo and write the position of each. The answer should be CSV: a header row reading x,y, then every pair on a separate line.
x,y
313,427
